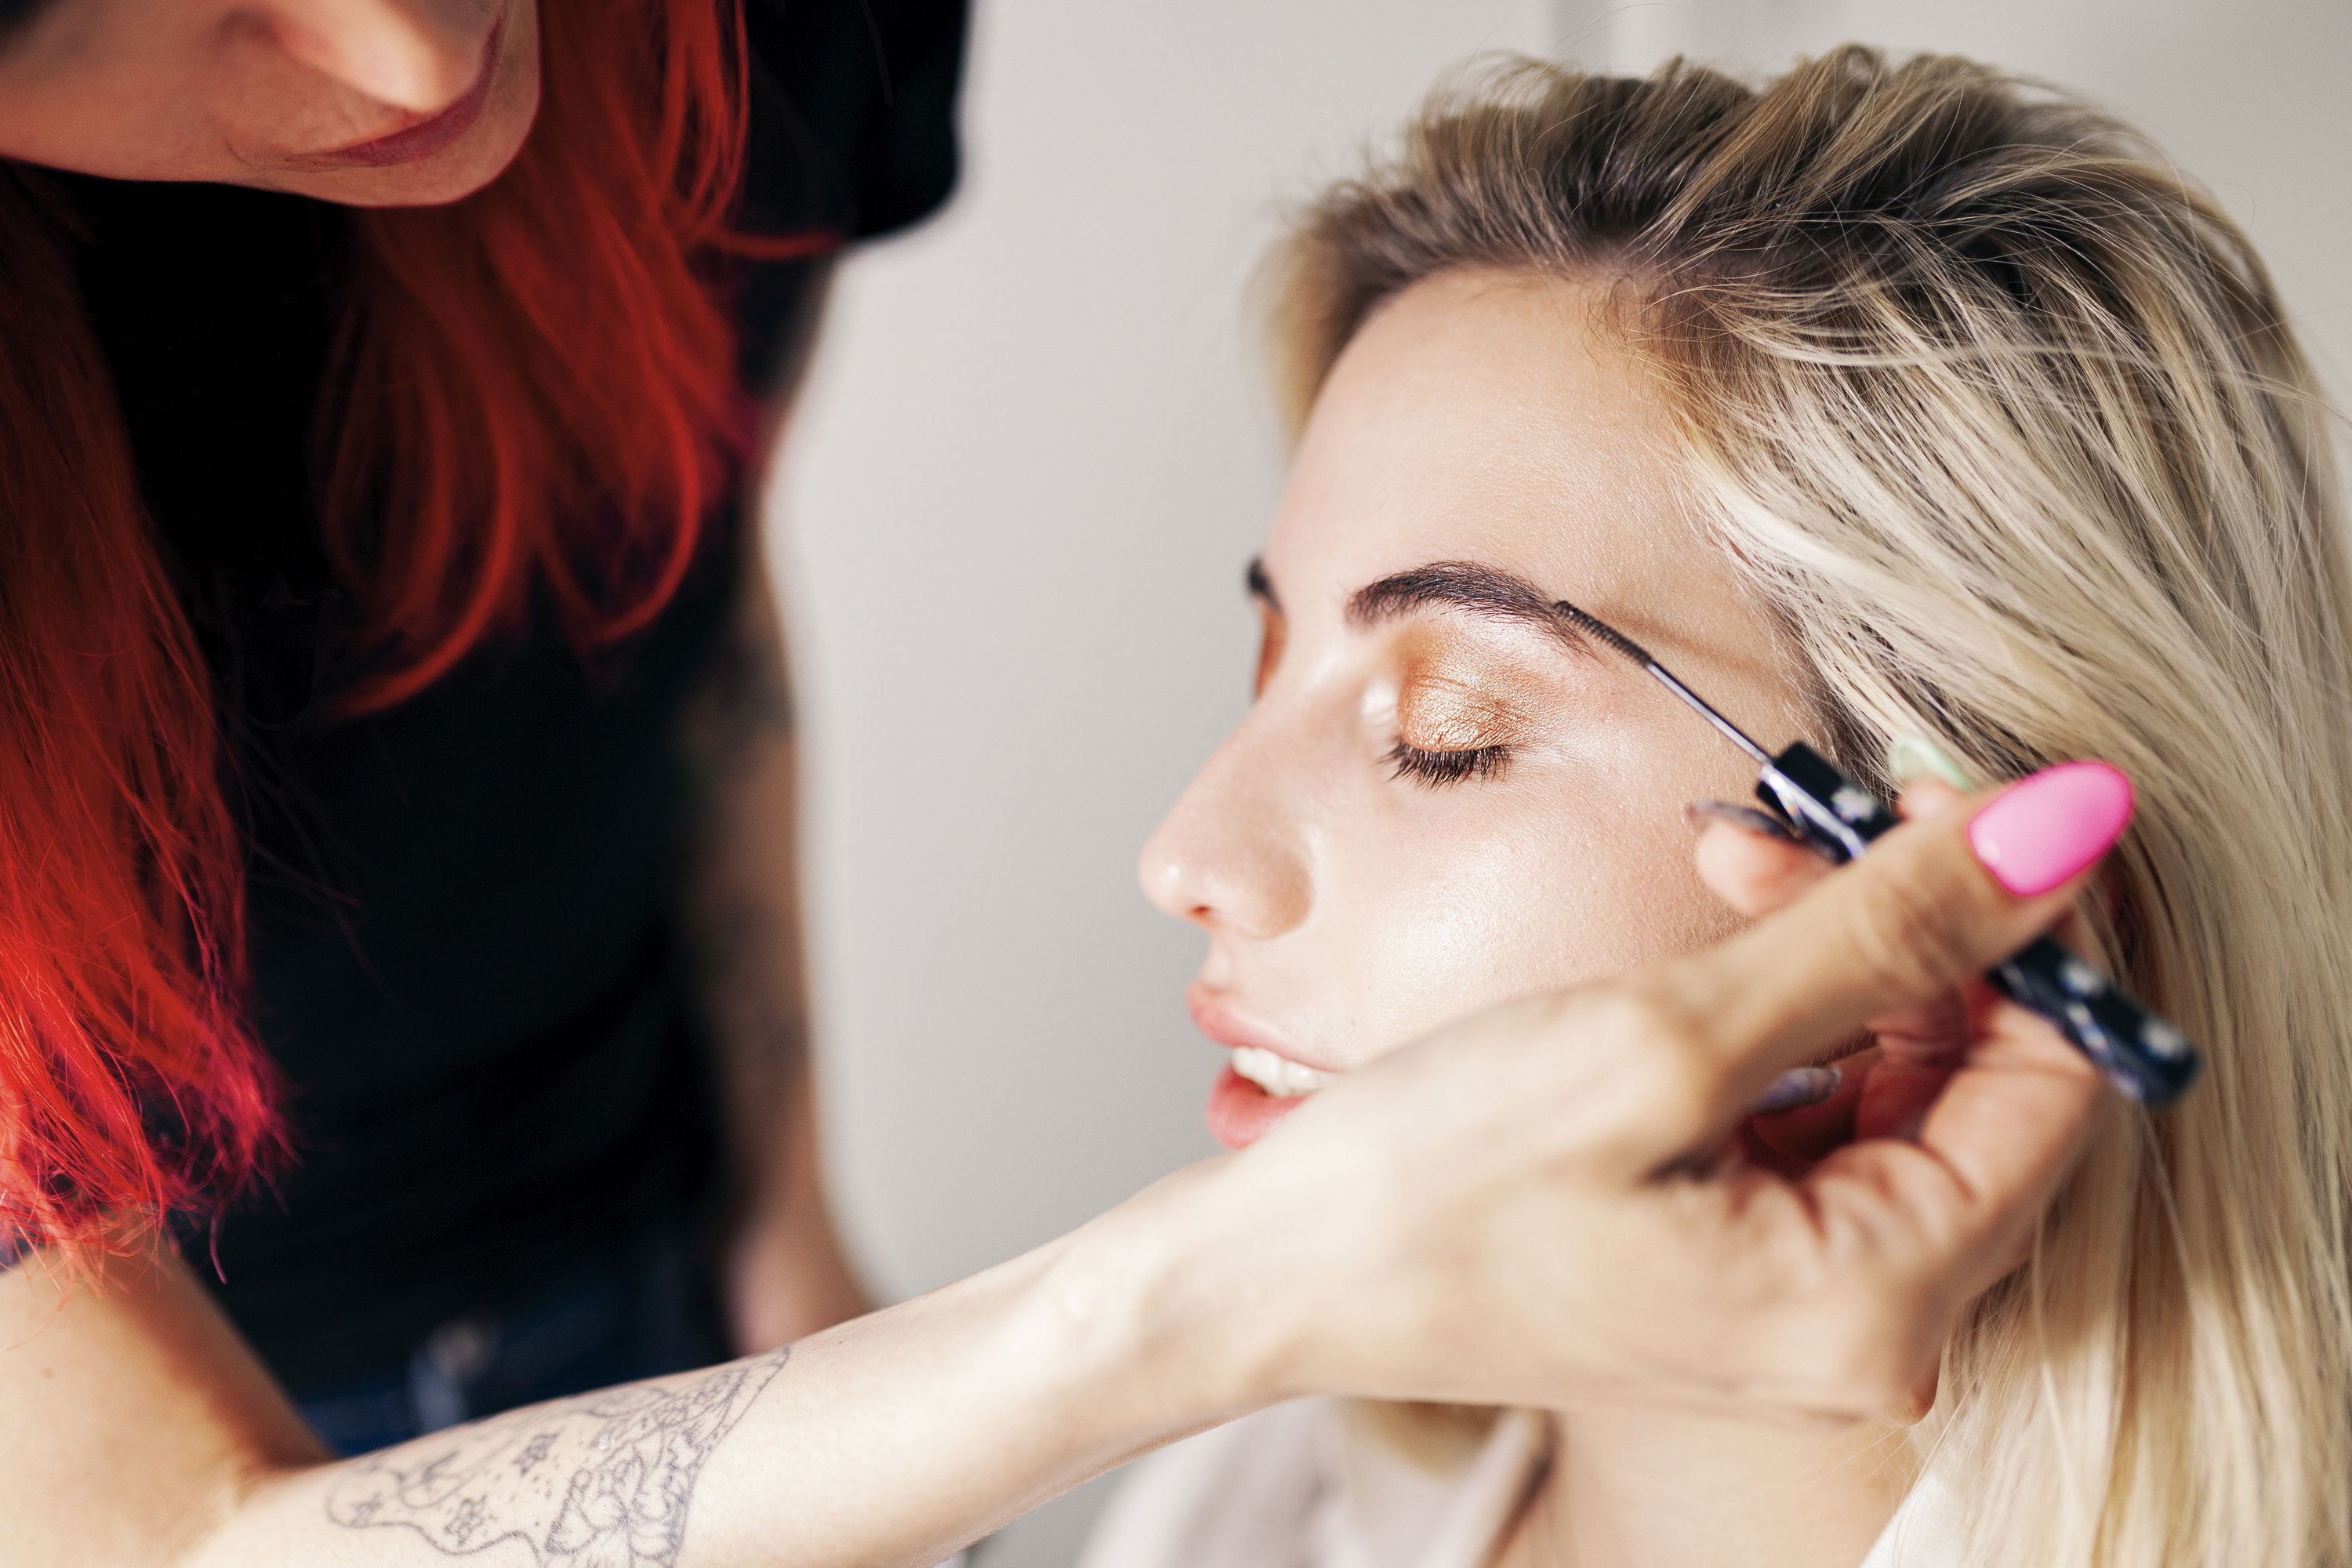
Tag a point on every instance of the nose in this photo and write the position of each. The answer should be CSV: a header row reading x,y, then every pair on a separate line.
x,y
417,55
1233,855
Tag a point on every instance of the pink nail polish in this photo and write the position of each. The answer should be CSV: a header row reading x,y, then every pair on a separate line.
x,y
2042,830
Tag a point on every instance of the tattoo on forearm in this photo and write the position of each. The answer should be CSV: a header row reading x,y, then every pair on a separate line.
x,y
603,1481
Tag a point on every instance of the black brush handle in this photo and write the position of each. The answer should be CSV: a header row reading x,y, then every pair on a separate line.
x,y
2142,1055
1835,814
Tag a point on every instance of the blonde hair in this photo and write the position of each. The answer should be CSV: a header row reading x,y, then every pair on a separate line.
x,y
2002,417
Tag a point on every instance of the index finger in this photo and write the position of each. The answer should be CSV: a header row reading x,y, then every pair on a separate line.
x,y
1921,913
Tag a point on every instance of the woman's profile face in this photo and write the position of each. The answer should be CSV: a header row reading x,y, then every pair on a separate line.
x,y
365,102
1439,800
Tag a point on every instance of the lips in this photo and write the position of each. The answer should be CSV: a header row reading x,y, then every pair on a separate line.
x,y
1261,1084
1240,1113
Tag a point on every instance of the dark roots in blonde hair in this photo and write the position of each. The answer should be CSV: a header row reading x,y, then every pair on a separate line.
x,y
1936,183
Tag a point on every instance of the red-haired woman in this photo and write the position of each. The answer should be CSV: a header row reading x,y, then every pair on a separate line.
x,y
427,503
394,825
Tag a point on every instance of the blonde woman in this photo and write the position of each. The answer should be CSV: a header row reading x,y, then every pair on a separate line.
x,y
1908,409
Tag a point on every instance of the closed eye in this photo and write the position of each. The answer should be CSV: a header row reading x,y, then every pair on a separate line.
x,y
1434,770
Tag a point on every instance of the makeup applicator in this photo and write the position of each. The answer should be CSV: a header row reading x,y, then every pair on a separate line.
x,y
2141,1053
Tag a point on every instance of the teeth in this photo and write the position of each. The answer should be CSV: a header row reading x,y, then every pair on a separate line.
x,y
1279,1076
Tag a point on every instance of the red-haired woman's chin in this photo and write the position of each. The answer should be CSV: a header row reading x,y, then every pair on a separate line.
x,y
1240,1113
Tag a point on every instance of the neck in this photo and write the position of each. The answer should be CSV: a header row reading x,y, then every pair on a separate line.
x,y
1631,1488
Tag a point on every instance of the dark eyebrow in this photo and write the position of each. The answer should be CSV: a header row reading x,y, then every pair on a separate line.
x,y
1464,585
1261,586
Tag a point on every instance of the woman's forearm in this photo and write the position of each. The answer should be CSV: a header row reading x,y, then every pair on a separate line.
x,y
893,1439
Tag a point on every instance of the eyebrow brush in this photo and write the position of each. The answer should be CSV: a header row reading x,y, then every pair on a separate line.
x,y
2141,1053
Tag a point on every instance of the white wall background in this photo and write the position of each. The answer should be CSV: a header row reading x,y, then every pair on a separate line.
x,y
1032,458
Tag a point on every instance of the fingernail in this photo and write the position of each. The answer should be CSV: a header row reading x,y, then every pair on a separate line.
x,y
1910,758
2043,829
1747,818
1797,1088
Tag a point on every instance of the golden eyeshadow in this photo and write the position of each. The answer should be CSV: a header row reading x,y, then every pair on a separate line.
x,y
1457,695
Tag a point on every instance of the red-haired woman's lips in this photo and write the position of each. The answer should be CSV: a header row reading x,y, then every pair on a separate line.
x,y
426,137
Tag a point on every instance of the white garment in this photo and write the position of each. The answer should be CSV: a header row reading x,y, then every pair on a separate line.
x,y
1303,1486
1925,1531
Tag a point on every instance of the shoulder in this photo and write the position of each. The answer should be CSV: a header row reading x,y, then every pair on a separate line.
x,y
853,112
852,131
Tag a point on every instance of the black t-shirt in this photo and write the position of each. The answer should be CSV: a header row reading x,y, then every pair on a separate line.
x,y
463,911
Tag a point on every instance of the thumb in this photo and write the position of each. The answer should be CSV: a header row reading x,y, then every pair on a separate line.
x,y
1936,901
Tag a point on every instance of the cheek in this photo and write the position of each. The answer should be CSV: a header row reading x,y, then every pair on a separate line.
x,y
1502,900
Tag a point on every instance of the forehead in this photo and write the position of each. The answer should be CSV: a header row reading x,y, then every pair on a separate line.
x,y
1494,417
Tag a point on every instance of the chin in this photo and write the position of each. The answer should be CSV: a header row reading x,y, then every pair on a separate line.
x,y
434,182
451,174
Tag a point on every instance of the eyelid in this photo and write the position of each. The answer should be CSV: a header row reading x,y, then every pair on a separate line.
x,y
1443,712
1458,711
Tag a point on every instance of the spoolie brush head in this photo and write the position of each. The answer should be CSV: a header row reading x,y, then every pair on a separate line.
x,y
1602,632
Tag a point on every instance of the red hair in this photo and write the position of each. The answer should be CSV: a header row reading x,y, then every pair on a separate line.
x,y
534,390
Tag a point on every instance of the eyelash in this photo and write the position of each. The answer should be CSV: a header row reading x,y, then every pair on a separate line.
x,y
1434,770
